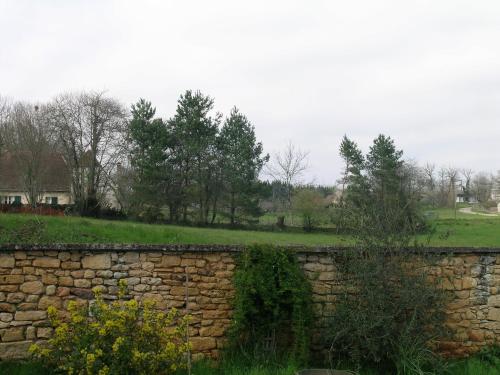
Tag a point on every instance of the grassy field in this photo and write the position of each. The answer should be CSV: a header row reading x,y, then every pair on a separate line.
x,y
465,230
44,229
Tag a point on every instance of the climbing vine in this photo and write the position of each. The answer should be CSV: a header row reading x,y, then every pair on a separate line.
x,y
272,305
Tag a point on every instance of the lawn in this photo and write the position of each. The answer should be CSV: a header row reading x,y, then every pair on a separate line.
x,y
45,229
464,231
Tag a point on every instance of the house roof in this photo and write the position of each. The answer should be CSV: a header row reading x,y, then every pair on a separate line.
x,y
56,174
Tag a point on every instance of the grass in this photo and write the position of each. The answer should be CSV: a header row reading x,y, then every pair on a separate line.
x,y
84,230
470,366
465,230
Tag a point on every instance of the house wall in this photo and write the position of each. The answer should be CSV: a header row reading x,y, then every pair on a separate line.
x,y
62,198
198,280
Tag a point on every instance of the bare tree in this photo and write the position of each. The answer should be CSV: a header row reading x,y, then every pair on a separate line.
x,y
91,130
452,175
287,167
5,111
26,137
481,186
467,178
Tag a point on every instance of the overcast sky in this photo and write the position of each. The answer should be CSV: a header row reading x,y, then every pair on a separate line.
x,y
427,73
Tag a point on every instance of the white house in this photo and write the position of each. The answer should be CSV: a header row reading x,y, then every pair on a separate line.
x,y
56,181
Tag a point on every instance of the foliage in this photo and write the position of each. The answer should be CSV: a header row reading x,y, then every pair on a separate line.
x,y
192,166
148,140
391,307
272,305
389,311
242,161
311,206
123,337
379,206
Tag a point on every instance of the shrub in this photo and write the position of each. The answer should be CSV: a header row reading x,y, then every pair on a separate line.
x,y
272,305
390,311
310,205
123,337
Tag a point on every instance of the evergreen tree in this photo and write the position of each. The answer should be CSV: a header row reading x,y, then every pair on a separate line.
x,y
241,162
195,151
378,207
352,182
149,140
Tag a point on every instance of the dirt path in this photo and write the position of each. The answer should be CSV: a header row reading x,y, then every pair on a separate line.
x,y
468,210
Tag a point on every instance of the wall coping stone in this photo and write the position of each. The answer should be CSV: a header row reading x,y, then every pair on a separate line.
x,y
222,248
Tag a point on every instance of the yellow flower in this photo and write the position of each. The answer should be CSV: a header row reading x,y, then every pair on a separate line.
x,y
118,342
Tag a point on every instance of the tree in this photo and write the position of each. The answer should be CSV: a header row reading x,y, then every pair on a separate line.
x,y
311,207
452,175
26,137
91,129
481,186
149,140
467,176
379,206
351,175
390,309
430,183
242,160
287,167
5,109
194,150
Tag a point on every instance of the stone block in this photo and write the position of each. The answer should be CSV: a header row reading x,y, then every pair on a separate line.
x,y
170,261
97,261
7,261
11,279
47,301
7,307
15,350
44,332
32,287
82,293
65,281
203,343
70,265
83,283
89,274
50,290
494,314
12,334
47,262
30,315
15,297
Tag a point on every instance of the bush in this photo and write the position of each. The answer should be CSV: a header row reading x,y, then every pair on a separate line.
x,y
390,311
123,337
310,205
272,306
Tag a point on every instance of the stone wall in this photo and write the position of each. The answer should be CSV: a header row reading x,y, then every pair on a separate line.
x,y
198,280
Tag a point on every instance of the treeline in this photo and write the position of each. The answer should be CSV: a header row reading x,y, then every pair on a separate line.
x,y
195,164
201,167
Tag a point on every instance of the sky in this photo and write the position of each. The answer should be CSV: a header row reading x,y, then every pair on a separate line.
x,y
426,73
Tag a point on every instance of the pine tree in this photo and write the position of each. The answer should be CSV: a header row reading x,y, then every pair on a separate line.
x,y
242,161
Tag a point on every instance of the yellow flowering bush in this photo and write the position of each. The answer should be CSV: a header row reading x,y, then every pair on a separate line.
x,y
124,337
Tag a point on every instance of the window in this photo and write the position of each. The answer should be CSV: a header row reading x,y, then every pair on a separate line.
x,y
17,199
51,200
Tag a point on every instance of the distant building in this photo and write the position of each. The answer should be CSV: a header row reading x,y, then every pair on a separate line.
x,y
495,191
55,183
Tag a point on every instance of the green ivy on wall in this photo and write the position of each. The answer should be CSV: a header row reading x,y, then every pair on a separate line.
x,y
272,305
